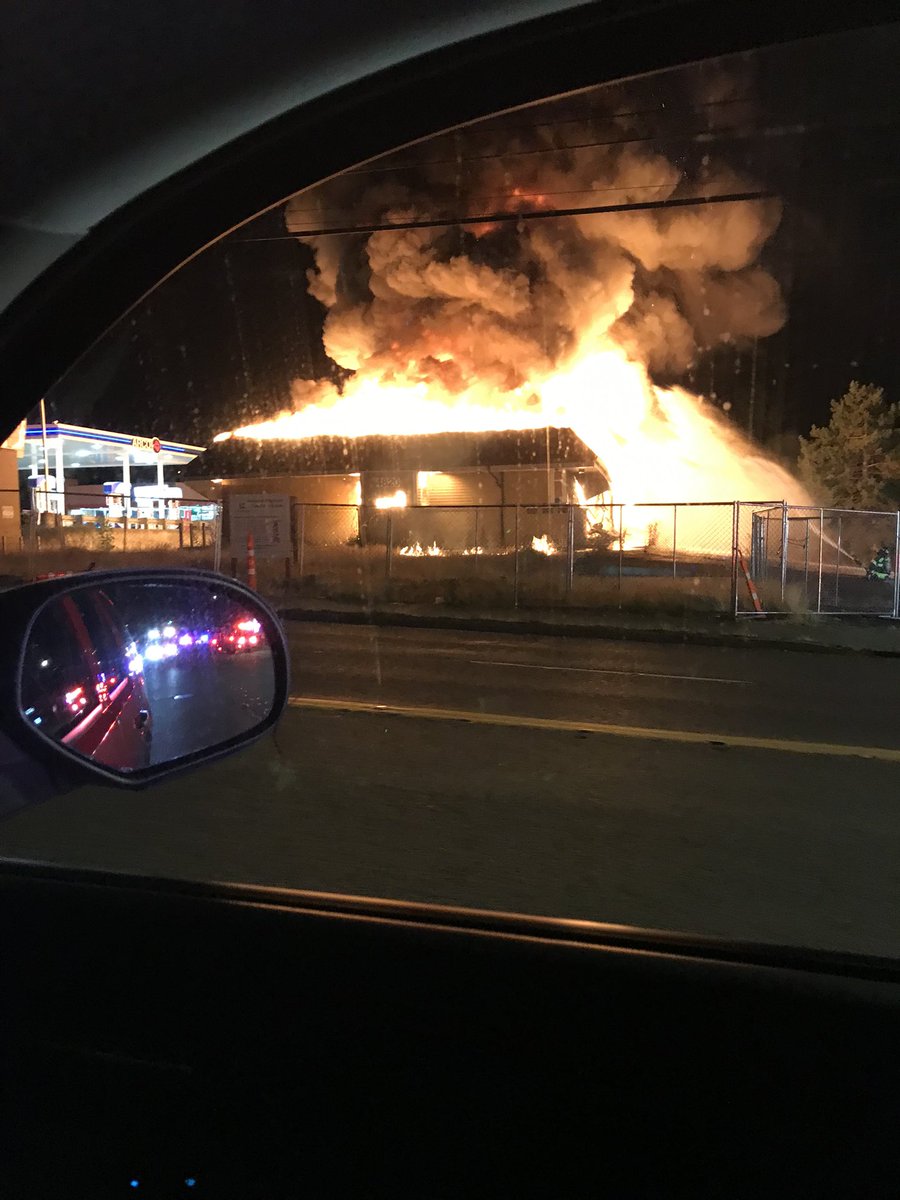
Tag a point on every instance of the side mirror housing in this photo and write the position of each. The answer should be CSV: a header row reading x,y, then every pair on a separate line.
x,y
129,676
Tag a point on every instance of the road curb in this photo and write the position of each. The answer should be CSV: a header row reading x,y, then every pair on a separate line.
x,y
535,626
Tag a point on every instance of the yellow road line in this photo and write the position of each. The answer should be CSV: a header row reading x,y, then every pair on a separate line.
x,y
881,753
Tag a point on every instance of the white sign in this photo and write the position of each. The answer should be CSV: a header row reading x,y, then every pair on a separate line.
x,y
150,445
267,517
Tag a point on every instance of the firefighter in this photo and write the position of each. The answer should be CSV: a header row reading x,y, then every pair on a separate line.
x,y
880,566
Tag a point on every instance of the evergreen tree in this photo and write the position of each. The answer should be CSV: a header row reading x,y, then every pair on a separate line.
x,y
854,460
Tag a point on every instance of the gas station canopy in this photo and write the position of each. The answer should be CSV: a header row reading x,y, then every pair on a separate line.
x,y
50,453
75,446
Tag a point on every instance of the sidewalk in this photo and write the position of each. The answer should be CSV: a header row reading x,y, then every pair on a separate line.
x,y
829,635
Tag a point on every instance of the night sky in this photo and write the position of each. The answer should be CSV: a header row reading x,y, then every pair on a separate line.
x,y
219,343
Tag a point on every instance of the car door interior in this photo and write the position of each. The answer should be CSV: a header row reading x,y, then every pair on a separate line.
x,y
276,1044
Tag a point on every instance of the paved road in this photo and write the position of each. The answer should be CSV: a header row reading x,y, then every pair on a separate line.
x,y
846,699
204,698
731,840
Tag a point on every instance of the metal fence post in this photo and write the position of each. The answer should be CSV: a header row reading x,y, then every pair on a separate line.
x,y
621,540
516,572
735,551
755,545
896,572
570,548
389,546
806,563
765,549
476,527
837,562
674,541
301,542
821,546
784,546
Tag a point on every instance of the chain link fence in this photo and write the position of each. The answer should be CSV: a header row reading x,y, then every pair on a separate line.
x,y
745,558
666,555
514,555
740,557
820,560
35,544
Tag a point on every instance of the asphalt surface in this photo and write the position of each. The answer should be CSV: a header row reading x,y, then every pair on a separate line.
x,y
435,801
202,698
769,693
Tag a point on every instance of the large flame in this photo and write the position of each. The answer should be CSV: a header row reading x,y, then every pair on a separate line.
x,y
554,322
656,445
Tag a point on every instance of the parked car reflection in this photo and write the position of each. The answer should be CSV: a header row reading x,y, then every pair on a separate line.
x,y
130,675
83,681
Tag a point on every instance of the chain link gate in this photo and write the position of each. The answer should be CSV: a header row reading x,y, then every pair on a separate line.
x,y
820,560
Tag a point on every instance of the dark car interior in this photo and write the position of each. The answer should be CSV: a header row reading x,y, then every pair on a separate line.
x,y
274,1045
165,1039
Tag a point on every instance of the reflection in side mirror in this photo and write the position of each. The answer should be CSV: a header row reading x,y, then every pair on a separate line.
x,y
130,675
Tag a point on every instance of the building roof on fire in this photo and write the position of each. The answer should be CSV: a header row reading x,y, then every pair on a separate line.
x,y
424,452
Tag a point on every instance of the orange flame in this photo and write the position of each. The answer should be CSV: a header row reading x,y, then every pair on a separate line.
x,y
656,445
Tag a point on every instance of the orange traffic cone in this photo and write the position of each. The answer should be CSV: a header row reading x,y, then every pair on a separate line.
x,y
751,586
251,562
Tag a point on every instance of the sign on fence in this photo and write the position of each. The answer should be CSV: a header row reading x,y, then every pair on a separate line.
x,y
267,517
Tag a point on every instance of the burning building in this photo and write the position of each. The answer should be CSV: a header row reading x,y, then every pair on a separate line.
x,y
463,301
349,487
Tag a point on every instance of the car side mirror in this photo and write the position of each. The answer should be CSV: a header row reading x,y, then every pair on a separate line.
x,y
131,675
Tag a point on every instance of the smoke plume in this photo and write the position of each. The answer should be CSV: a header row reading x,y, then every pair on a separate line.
x,y
565,320
504,303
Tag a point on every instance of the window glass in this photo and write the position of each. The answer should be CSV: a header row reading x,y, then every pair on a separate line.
x,y
575,431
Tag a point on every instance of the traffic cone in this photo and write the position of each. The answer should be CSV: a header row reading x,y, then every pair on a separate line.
x,y
751,586
251,562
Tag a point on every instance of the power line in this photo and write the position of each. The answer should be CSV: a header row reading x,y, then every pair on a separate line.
x,y
412,165
799,126
539,215
536,193
593,117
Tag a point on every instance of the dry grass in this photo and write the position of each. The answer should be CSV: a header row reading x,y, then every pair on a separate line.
x,y
359,575
25,565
